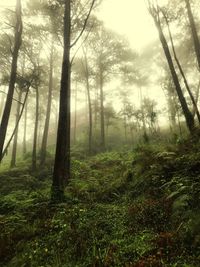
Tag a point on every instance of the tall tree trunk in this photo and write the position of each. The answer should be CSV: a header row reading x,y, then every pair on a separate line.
x,y
125,129
181,70
48,112
90,117
96,109
34,152
188,115
89,102
194,31
196,99
14,150
102,110
13,73
75,113
145,136
25,129
61,173
2,103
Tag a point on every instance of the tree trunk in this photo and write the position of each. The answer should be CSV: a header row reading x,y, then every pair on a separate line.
x,y
25,128
196,99
182,72
125,129
34,152
145,136
13,73
188,115
102,111
75,113
194,32
2,104
48,112
61,173
14,150
96,109
90,118
89,102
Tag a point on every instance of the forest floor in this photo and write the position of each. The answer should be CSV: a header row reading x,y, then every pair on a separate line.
x,y
134,209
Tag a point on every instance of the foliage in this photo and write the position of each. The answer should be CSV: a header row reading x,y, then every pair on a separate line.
x,y
137,208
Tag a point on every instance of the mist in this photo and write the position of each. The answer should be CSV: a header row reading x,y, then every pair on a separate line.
x,y
99,105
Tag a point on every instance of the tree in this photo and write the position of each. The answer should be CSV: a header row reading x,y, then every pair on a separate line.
x,y
111,53
61,173
13,73
194,31
14,150
155,13
48,110
181,69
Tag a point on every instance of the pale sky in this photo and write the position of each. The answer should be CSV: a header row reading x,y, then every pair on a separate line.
x,y
127,17
131,18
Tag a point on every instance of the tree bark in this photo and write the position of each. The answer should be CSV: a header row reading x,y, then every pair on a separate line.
x,y
14,150
8,104
34,152
61,173
194,31
48,111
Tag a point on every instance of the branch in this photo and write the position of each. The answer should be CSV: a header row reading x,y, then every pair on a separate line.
x,y
72,60
13,98
84,25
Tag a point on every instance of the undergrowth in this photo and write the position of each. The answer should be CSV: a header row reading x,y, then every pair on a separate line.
x,y
134,209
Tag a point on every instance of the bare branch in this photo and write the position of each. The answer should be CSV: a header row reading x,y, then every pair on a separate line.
x,y
13,98
84,25
72,60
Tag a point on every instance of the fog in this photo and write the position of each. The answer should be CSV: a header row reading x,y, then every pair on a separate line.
x,y
99,133
136,77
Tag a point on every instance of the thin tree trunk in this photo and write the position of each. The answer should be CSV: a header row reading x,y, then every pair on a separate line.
x,y
194,32
145,136
188,115
89,103
8,104
179,125
34,152
75,113
13,133
95,109
61,173
48,112
125,129
14,150
25,129
102,111
196,99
